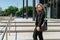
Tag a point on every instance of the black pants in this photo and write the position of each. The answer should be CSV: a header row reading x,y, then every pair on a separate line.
x,y
39,34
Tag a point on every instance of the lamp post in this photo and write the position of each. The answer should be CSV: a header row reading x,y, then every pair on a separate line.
x,y
26,9
23,9
33,10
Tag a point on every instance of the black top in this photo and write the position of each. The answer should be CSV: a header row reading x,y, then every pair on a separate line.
x,y
40,18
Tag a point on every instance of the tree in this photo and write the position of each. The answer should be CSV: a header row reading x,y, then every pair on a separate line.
x,y
30,11
18,14
11,9
1,11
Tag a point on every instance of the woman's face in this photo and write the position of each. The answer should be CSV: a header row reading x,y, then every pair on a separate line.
x,y
39,8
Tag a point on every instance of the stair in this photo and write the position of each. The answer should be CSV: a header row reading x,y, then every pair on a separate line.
x,y
25,30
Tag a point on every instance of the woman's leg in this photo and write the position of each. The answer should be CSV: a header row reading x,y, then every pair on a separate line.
x,y
35,35
40,36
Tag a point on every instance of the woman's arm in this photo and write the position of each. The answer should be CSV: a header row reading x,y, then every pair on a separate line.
x,y
36,23
41,19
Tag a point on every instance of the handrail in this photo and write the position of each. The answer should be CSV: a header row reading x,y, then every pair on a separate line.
x,y
2,29
6,27
16,32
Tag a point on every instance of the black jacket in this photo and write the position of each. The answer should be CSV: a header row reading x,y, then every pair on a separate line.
x,y
40,19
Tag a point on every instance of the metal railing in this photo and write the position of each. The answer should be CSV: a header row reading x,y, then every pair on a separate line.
x,y
5,31
16,32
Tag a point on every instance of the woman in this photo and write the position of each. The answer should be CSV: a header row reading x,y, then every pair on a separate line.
x,y
39,21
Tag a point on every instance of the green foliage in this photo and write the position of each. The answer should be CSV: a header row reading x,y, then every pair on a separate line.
x,y
16,12
30,11
10,10
1,12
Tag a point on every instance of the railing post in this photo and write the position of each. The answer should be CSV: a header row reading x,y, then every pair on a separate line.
x,y
16,32
6,35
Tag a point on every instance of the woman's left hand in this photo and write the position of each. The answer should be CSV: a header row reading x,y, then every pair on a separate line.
x,y
38,28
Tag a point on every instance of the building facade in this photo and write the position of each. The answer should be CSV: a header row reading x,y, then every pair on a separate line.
x,y
52,8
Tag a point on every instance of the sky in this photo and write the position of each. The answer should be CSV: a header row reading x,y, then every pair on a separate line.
x,y
4,4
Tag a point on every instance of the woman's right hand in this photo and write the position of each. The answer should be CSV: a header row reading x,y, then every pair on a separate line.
x,y
38,28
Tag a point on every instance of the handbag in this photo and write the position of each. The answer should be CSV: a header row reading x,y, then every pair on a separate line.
x,y
44,26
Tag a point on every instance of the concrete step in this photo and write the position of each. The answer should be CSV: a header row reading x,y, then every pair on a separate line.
x,y
5,21
28,24
29,36
30,29
6,17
